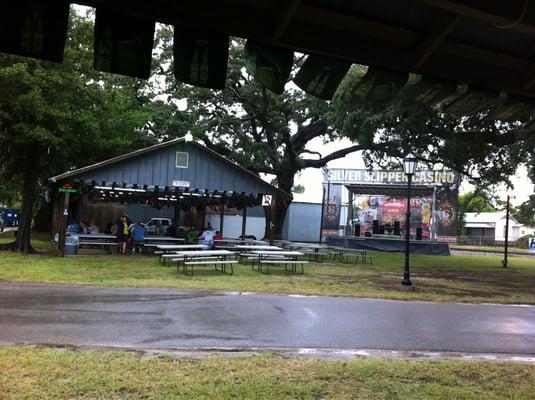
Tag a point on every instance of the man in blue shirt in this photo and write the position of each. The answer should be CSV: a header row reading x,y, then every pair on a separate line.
x,y
138,234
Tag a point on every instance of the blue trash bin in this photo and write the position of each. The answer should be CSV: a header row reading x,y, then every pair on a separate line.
x,y
71,245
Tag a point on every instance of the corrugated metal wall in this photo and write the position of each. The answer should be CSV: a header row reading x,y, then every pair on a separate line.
x,y
302,222
205,171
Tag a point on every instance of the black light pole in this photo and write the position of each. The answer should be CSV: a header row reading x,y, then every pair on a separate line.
x,y
506,245
409,167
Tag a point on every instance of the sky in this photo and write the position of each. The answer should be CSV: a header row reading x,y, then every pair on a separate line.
x,y
311,178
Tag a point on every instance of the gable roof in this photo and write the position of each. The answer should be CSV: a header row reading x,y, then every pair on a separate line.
x,y
486,218
160,146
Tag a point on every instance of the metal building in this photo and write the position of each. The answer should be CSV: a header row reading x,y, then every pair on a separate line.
x,y
183,176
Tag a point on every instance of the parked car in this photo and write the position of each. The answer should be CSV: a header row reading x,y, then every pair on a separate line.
x,y
157,226
10,217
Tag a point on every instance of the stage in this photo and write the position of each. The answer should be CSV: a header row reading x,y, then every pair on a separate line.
x,y
387,244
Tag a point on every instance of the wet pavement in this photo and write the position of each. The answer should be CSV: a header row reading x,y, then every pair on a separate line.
x,y
166,319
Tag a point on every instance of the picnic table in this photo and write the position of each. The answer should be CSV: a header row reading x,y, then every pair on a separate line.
x,y
341,252
256,247
279,257
312,249
158,239
98,240
169,250
205,257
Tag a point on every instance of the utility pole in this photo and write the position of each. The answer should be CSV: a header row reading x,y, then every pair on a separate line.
x,y
505,249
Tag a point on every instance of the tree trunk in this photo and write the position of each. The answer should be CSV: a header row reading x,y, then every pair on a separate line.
x,y
285,182
22,243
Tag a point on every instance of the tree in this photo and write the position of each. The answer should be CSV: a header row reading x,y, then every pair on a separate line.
x,y
525,212
268,133
476,202
59,116
264,132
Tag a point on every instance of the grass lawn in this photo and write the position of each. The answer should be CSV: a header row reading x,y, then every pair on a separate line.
x,y
463,278
44,373
495,249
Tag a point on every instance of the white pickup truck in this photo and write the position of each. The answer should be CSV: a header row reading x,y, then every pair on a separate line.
x,y
157,226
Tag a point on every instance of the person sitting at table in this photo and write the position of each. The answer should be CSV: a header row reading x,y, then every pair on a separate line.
x,y
93,228
191,236
218,236
207,238
138,234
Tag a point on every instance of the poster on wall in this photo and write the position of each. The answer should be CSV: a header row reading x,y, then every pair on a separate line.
x,y
331,210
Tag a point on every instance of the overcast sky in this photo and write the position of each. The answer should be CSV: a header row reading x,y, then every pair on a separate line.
x,y
311,178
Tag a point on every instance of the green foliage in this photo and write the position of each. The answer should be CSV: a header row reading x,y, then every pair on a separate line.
x,y
54,117
476,202
525,212
522,242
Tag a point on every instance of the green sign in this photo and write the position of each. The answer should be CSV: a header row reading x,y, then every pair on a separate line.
x,y
67,190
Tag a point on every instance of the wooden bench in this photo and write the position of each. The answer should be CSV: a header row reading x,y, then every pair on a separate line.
x,y
215,263
285,262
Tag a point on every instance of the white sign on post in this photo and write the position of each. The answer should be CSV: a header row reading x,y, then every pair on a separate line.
x,y
266,200
181,184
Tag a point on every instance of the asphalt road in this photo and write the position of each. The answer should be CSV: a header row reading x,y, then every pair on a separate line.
x,y
160,318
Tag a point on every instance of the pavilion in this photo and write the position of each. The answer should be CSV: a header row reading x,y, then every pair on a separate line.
x,y
179,174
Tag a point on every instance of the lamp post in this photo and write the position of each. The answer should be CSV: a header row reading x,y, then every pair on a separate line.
x,y
409,167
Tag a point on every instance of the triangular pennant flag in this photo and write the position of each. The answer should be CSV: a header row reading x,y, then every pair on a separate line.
x,y
34,28
320,76
472,101
429,91
270,65
379,85
123,43
514,109
200,58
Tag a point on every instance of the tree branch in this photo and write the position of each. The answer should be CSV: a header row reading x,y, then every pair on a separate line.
x,y
305,134
333,156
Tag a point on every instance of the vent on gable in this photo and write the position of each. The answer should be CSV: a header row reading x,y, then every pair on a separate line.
x,y
182,159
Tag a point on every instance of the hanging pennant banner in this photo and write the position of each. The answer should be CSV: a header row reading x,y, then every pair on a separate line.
x,y
34,28
379,85
200,58
320,76
514,109
270,65
123,43
429,91
472,101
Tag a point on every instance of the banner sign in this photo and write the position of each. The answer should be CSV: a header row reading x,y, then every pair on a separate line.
x,y
331,210
531,245
389,177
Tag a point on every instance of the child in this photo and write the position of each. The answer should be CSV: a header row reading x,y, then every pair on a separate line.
x,y
138,234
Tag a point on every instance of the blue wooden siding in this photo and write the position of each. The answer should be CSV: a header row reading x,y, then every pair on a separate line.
x,y
205,171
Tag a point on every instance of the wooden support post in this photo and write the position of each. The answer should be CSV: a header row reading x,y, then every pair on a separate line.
x,y
272,220
63,223
244,222
221,218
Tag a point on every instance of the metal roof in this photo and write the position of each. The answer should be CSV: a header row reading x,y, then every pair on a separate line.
x,y
137,153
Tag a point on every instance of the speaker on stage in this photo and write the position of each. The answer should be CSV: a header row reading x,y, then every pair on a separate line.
x,y
375,227
381,229
419,233
357,230
397,228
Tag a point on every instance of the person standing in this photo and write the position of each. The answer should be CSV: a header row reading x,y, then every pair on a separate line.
x,y
138,234
123,234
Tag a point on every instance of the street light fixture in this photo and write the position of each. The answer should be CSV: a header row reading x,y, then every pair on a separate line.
x,y
409,167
